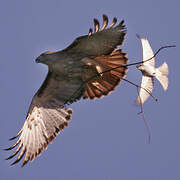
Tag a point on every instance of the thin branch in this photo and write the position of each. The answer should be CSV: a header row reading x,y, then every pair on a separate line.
x,y
144,118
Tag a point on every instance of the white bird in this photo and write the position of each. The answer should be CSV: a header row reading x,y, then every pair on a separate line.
x,y
149,72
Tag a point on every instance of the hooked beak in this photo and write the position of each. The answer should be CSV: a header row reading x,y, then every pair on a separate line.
x,y
37,60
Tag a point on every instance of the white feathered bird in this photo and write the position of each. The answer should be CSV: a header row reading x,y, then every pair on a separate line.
x,y
149,72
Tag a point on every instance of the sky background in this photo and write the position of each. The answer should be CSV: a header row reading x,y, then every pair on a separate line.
x,y
106,139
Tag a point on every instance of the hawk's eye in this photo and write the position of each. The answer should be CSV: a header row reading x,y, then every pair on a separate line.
x,y
42,54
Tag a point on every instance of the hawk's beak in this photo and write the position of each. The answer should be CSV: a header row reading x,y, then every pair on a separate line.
x,y
37,60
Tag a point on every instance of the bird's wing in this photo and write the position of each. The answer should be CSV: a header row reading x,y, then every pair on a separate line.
x,y
147,52
103,83
102,42
146,83
47,116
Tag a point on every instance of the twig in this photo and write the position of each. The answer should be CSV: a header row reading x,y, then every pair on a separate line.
x,y
144,118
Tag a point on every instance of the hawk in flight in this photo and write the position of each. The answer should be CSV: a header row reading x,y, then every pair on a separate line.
x,y
149,72
73,73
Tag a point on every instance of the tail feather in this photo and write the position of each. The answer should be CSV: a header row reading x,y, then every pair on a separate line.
x,y
106,82
164,69
162,76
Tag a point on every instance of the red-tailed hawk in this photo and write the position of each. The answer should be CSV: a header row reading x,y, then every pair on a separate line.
x,y
149,72
70,78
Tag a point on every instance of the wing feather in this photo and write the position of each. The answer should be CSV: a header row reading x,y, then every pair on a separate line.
x,y
147,52
146,83
101,42
47,116
103,84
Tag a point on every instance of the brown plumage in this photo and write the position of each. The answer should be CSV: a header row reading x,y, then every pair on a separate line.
x,y
75,72
105,83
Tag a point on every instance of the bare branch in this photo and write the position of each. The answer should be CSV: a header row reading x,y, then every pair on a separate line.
x,y
144,118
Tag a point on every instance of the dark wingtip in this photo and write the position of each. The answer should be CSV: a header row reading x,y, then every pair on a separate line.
x,y
16,135
24,163
122,22
90,32
114,21
96,21
7,149
96,25
10,157
104,15
105,21
16,161
19,158
12,138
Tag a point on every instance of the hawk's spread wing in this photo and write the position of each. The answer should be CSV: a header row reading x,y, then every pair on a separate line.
x,y
102,42
147,52
47,116
146,83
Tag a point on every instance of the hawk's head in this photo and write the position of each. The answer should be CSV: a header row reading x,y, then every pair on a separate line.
x,y
45,57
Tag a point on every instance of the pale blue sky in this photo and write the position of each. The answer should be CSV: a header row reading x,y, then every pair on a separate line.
x,y
106,139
